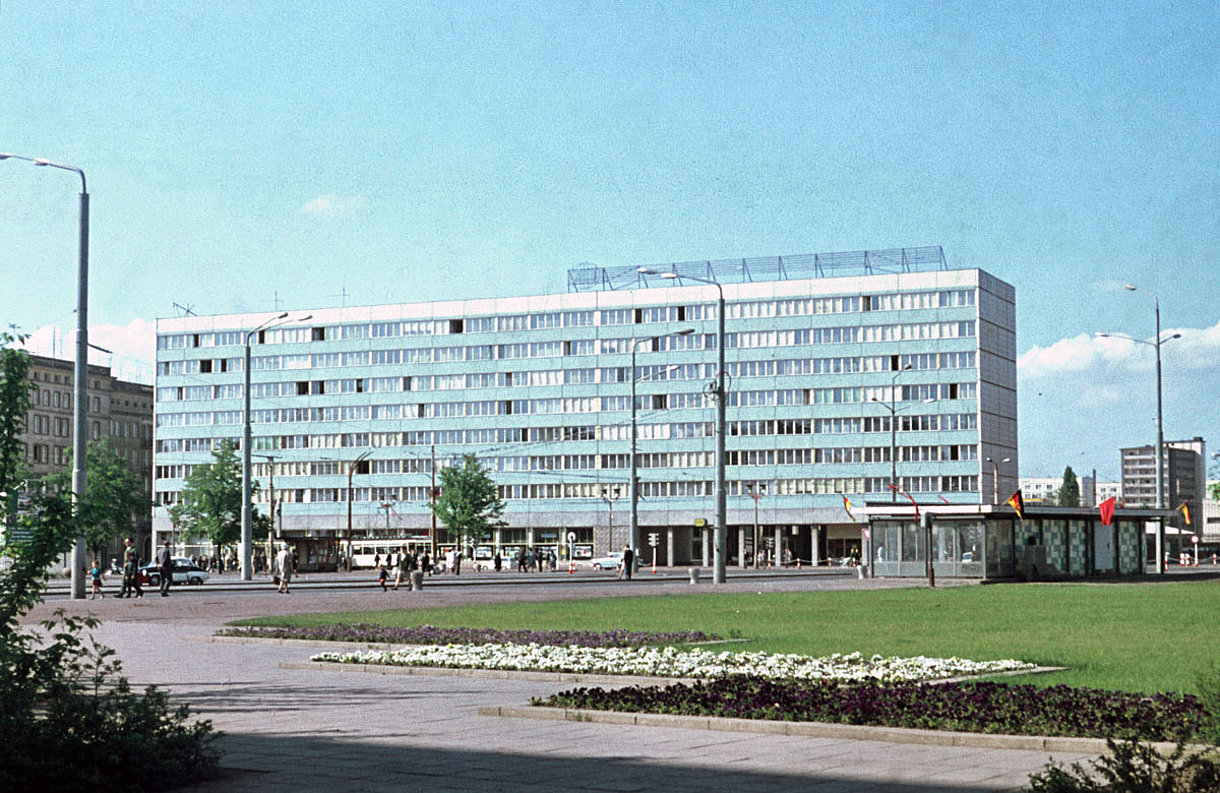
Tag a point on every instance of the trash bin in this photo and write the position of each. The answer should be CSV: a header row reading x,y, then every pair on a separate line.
x,y
417,579
694,575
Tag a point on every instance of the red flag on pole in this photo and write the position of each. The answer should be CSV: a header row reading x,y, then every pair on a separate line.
x,y
1106,508
1018,505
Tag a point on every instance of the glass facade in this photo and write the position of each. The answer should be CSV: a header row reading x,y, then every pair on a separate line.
x,y
834,383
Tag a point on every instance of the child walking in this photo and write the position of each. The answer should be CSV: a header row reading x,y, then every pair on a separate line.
x,y
95,573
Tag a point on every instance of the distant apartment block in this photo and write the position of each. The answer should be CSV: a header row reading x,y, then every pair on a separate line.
x,y
119,410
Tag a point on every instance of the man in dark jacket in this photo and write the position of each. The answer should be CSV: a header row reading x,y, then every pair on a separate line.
x,y
165,561
628,561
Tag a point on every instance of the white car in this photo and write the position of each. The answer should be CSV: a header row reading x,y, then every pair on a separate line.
x,y
609,562
185,572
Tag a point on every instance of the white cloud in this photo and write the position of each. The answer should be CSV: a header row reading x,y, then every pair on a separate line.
x,y
333,206
133,347
1196,348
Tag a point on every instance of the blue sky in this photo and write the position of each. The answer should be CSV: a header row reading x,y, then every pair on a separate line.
x,y
240,154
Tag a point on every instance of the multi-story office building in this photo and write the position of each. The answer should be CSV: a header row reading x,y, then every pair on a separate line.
x,y
1183,477
843,369
119,410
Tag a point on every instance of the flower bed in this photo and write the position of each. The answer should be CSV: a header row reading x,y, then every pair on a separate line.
x,y
975,706
672,662
428,634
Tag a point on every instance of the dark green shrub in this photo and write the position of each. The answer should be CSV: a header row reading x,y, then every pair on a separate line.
x,y
1134,767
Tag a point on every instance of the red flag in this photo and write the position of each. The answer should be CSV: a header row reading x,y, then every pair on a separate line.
x,y
1106,508
1185,511
1018,505
847,508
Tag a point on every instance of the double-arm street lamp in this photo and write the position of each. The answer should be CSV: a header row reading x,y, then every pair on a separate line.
x,y
719,390
1160,422
995,478
893,409
610,495
634,482
81,373
351,471
247,509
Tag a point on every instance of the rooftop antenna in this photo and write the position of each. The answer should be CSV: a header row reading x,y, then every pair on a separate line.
x,y
187,310
343,295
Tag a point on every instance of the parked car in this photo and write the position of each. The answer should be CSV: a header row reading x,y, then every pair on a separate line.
x,y
610,561
185,572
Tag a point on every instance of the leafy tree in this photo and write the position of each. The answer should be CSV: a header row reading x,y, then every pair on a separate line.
x,y
211,499
469,504
14,404
1069,491
114,495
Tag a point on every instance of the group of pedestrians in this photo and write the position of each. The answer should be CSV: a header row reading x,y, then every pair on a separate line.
x,y
130,571
409,561
537,561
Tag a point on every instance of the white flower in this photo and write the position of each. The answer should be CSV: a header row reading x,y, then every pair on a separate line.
x,y
672,662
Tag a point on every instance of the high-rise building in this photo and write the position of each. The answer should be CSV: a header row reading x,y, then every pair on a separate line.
x,y
1184,478
832,361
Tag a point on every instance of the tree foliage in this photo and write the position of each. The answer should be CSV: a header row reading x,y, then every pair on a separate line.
x,y
14,404
68,718
469,503
1069,491
211,498
114,495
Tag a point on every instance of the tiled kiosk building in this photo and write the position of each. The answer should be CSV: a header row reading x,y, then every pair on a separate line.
x,y
822,352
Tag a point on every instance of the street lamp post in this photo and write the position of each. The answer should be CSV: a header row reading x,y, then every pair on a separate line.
x,y
893,435
351,470
995,478
610,495
719,391
634,484
756,493
1160,421
272,533
80,436
247,509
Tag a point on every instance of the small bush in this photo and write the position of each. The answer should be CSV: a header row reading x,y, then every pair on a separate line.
x,y
1134,767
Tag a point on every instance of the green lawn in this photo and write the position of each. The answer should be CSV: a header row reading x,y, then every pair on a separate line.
x,y
1134,637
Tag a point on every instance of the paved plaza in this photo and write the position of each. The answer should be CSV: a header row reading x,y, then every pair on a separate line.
x,y
308,730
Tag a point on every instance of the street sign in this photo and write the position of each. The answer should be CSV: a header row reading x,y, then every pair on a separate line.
x,y
571,536
700,523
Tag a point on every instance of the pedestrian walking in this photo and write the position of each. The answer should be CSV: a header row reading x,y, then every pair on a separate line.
x,y
165,563
95,573
628,562
131,571
497,562
284,568
382,576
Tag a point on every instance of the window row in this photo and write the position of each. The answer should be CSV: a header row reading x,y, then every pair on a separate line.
x,y
588,491
757,339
